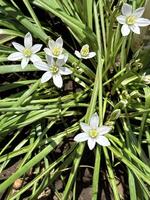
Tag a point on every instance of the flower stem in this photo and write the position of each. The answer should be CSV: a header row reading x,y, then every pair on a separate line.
x,y
98,85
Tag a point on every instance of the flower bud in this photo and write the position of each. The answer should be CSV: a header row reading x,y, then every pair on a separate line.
x,y
115,115
135,94
121,104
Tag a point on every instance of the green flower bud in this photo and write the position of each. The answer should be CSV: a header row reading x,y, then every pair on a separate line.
x,y
115,115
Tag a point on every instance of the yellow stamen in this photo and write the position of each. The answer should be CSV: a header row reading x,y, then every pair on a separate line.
x,y
27,52
130,20
85,50
56,51
93,133
54,69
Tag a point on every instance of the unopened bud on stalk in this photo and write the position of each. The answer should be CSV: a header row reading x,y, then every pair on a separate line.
x,y
135,94
121,104
115,115
125,94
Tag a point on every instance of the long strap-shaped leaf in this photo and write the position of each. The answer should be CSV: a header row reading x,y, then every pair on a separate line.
x,y
54,142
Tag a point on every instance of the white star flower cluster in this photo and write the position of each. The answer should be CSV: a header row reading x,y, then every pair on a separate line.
x,y
55,55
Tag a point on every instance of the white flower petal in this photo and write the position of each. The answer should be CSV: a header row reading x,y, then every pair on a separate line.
x,y
94,121
18,46
91,143
125,30
65,57
35,58
142,22
35,48
57,79
51,44
121,19
50,60
59,42
15,56
46,76
77,53
103,141
24,62
135,29
60,62
41,65
28,40
103,130
48,51
85,57
139,12
81,137
126,9
64,71
91,55
85,127
61,56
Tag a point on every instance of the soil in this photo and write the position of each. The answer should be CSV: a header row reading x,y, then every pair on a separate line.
x,y
84,185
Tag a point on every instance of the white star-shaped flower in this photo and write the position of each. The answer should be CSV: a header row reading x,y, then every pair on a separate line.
x,y
84,52
93,133
53,69
132,20
55,48
27,52
146,78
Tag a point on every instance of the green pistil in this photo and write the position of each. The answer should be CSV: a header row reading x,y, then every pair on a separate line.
x,y
54,69
27,52
85,50
130,20
93,133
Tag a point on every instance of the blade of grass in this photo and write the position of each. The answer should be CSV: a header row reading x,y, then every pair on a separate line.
x,y
45,173
112,179
98,86
54,142
145,115
32,13
131,166
88,7
79,152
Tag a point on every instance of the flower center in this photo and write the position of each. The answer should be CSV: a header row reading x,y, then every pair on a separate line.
x,y
93,133
130,20
54,69
56,51
84,50
27,52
